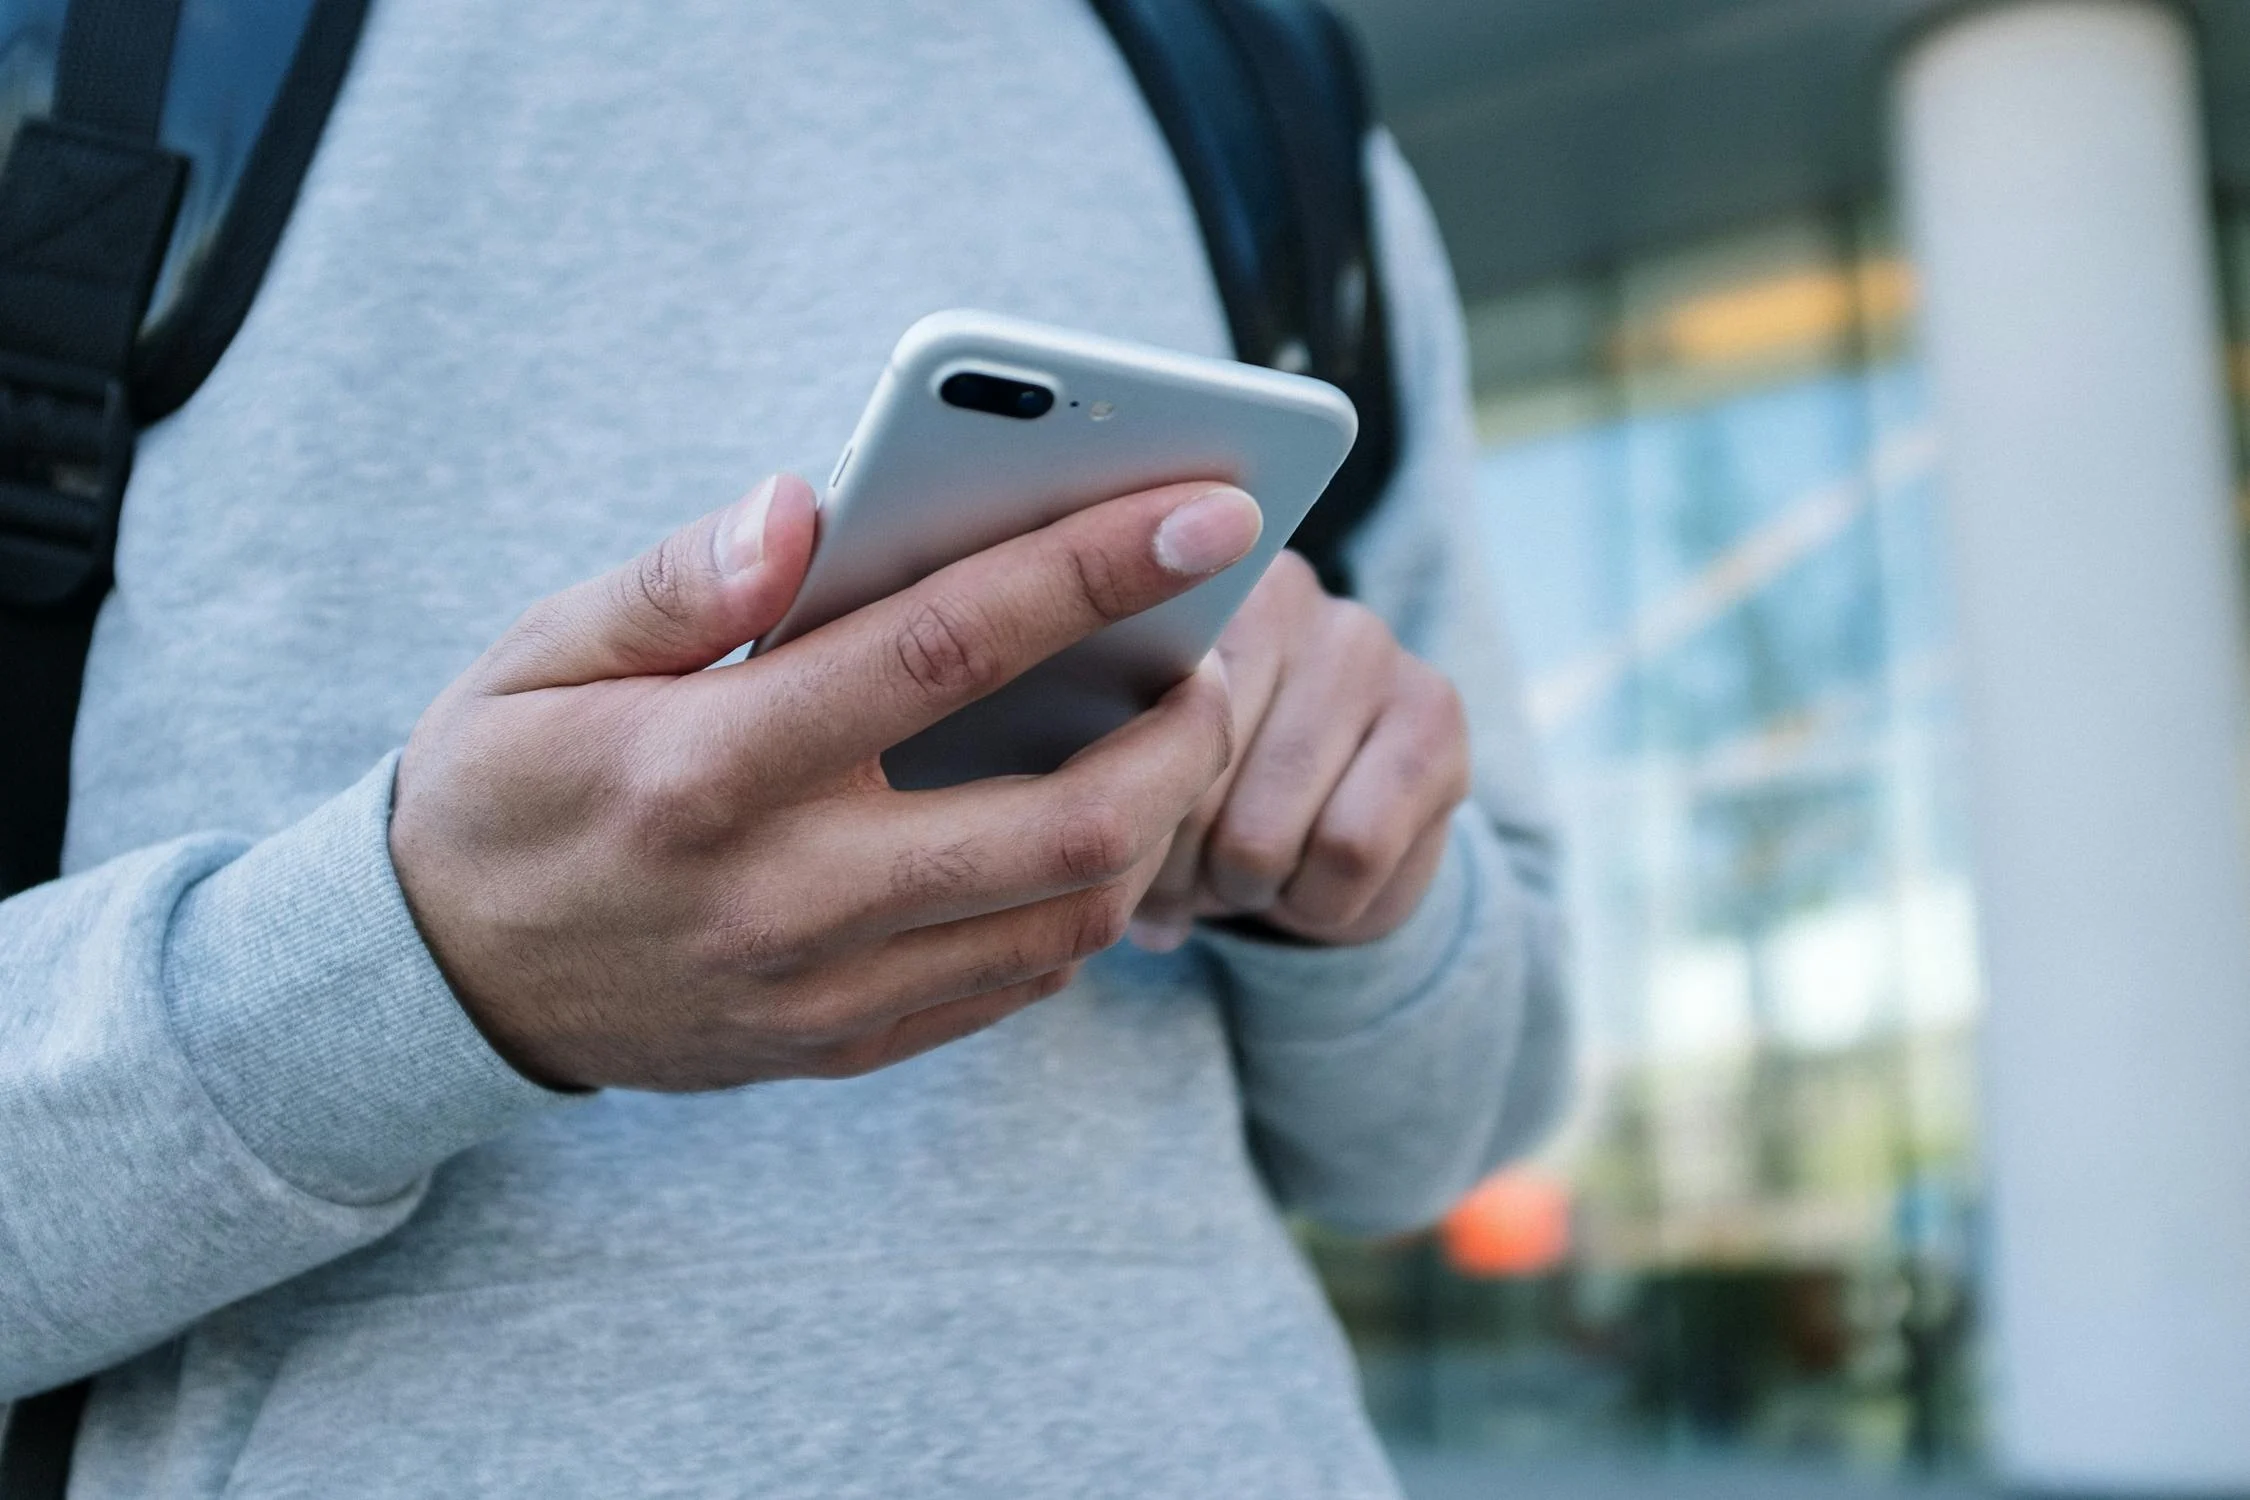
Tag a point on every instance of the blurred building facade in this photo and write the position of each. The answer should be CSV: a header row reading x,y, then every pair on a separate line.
x,y
1858,471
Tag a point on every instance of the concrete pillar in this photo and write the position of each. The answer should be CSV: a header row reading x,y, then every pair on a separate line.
x,y
2057,197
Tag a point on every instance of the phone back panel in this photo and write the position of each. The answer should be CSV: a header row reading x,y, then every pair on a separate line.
x,y
924,483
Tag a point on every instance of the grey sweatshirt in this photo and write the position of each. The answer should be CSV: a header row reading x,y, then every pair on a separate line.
x,y
563,277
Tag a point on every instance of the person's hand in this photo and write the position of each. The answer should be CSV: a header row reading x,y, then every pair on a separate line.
x,y
1352,755
636,872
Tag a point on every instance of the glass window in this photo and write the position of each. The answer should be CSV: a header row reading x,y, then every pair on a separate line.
x,y
1707,488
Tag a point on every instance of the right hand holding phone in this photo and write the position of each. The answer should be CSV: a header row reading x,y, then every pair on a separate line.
x,y
635,872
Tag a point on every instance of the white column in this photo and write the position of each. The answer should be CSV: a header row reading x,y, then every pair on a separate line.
x,y
2051,155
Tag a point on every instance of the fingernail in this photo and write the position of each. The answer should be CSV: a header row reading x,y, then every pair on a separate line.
x,y
1214,529
1152,936
741,541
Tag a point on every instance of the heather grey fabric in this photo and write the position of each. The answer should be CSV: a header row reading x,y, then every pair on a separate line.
x,y
563,277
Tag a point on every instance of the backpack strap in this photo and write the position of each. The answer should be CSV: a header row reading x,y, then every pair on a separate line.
x,y
88,203
37,1435
179,350
87,199
1263,105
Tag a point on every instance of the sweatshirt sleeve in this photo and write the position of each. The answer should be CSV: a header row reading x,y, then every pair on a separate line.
x,y
1383,1081
221,1064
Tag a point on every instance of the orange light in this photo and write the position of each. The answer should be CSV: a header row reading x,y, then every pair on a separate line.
x,y
1787,312
1514,1223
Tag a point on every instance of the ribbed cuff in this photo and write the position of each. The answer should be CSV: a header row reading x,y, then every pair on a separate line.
x,y
314,1015
1287,993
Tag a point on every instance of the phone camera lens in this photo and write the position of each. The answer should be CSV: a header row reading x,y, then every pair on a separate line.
x,y
997,394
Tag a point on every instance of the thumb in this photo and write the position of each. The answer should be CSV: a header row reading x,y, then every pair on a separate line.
x,y
678,607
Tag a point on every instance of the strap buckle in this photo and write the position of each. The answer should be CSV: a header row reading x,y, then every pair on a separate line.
x,y
66,448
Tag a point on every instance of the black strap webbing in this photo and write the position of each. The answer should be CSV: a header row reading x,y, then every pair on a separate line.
x,y
1312,82
175,355
87,199
1198,86
1306,78
76,265
87,195
1239,87
114,64
35,1453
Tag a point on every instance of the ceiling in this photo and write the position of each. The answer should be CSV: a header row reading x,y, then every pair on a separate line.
x,y
1554,135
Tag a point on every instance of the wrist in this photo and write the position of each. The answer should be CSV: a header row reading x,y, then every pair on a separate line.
x,y
313,1013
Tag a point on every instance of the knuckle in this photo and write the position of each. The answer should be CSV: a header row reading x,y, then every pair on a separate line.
x,y
1095,842
758,944
659,585
1413,765
1324,907
1288,759
855,1058
1167,903
549,630
1452,724
1358,630
674,812
1290,575
919,873
942,650
981,1013
809,1027
1221,738
827,1035
1434,697
999,971
1356,855
1100,585
1416,773
544,626
1261,854
1438,747
1098,924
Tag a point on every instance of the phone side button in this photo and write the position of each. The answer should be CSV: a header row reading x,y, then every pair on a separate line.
x,y
841,465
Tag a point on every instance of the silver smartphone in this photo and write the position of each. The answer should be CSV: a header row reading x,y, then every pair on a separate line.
x,y
984,427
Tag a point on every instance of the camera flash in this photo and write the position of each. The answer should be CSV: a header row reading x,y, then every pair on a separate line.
x,y
1101,411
